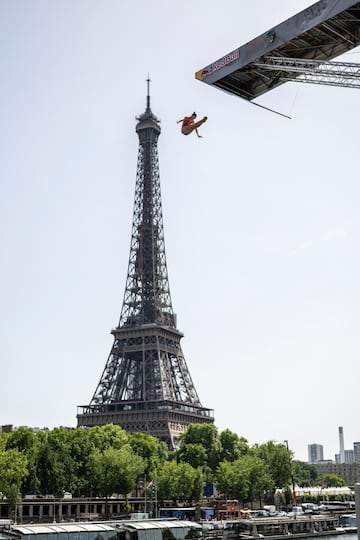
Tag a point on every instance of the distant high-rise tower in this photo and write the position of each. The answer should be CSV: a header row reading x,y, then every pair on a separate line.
x,y
349,456
146,385
356,452
342,447
315,453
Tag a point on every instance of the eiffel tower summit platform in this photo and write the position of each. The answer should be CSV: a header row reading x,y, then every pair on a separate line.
x,y
146,385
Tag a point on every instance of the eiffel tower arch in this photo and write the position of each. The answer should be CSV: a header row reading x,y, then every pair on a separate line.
x,y
146,385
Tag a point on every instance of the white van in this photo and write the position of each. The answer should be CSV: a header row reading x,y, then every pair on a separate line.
x,y
296,511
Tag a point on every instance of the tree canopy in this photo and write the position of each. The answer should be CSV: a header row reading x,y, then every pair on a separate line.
x,y
104,460
115,470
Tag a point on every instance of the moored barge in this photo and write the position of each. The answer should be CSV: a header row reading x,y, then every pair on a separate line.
x,y
111,530
278,527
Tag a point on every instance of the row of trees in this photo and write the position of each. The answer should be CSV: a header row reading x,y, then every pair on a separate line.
x,y
100,461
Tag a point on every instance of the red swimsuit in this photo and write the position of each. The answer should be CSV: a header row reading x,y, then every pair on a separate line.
x,y
187,122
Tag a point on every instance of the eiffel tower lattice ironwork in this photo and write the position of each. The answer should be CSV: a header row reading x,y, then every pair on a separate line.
x,y
146,385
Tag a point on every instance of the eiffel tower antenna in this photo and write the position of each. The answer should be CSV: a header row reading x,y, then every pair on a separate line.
x,y
148,80
146,385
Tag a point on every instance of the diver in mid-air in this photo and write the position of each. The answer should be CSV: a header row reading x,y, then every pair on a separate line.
x,y
189,124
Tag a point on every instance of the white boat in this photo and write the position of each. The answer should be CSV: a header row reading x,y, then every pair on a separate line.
x,y
347,523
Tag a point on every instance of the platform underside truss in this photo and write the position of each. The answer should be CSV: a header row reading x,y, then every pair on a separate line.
x,y
343,74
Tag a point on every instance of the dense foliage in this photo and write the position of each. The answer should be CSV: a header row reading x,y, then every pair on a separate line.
x,y
101,461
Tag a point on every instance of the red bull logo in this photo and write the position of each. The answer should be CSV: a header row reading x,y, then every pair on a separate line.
x,y
203,73
224,61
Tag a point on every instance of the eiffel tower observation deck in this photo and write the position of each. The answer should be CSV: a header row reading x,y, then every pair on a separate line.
x,y
146,385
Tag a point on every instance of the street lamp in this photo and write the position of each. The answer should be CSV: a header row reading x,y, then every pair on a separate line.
x,y
292,478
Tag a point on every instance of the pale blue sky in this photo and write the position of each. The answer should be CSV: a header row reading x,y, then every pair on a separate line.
x,y
261,216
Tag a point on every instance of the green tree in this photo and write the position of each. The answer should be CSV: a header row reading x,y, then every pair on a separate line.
x,y
115,471
80,447
24,440
152,450
278,459
59,442
304,474
231,480
53,467
3,439
192,453
13,471
232,446
331,480
49,468
206,435
245,479
260,478
180,481
108,436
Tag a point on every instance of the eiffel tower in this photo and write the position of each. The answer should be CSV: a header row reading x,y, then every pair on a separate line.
x,y
146,385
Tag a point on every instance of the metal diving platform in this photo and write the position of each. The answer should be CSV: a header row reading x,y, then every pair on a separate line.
x,y
299,49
